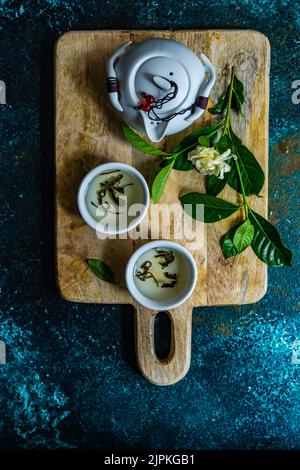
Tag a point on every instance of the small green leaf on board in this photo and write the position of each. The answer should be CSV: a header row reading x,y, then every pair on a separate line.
x,y
100,270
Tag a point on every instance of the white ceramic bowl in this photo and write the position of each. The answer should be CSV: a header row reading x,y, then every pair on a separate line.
x,y
83,188
179,298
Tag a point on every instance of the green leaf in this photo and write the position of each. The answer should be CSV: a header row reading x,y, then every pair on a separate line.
x,y
160,181
215,185
251,172
234,139
221,104
204,141
224,143
143,146
215,209
101,270
227,246
236,101
182,163
243,236
237,239
237,95
192,138
267,244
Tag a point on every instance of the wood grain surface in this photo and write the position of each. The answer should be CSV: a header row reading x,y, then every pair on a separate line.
x,y
89,132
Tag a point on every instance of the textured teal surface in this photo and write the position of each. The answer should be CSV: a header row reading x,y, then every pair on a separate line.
x,y
70,378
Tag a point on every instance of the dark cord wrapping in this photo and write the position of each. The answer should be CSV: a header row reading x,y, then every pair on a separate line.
x,y
112,84
158,104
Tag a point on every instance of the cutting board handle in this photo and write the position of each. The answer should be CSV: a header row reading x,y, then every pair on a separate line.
x,y
174,367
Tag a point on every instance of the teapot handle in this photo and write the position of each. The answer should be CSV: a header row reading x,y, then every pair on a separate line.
x,y
112,81
204,90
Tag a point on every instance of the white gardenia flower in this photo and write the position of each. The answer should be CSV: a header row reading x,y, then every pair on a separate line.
x,y
209,161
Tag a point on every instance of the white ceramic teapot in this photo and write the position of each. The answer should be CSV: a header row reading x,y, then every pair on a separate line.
x,y
159,85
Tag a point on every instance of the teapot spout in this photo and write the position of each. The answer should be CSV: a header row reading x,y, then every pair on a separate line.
x,y
155,131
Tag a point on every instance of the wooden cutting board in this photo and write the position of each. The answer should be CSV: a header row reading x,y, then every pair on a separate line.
x,y
89,132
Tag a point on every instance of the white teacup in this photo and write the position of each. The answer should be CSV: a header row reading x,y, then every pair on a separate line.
x,y
107,217
161,275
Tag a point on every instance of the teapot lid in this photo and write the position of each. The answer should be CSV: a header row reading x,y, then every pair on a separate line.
x,y
166,80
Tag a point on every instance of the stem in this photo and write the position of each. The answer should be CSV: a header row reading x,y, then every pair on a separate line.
x,y
192,146
245,202
226,128
227,117
184,150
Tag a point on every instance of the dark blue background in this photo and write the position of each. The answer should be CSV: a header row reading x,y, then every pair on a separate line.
x,y
71,378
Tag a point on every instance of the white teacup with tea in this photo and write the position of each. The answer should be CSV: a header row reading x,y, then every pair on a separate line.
x,y
161,275
113,198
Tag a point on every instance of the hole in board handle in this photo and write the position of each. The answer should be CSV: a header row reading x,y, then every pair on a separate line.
x,y
162,335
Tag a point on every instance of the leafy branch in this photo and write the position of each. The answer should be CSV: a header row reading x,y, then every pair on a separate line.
x,y
177,159
206,149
